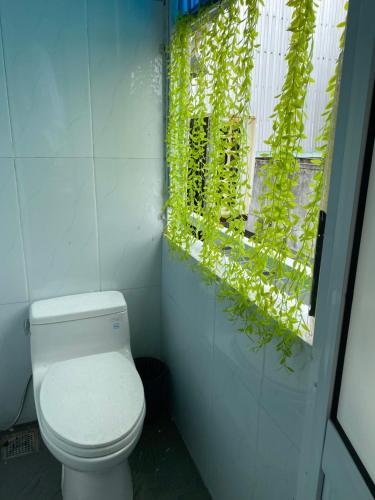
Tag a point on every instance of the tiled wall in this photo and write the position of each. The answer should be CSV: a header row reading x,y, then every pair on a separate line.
x,y
240,414
81,170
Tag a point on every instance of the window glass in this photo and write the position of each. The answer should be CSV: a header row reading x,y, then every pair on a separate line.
x,y
356,409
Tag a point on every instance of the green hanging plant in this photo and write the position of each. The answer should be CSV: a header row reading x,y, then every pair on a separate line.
x,y
211,60
177,141
278,291
320,184
210,66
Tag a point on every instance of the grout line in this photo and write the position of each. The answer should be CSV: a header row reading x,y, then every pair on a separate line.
x,y
91,157
7,88
97,224
93,150
281,431
139,288
160,298
89,80
20,218
260,408
14,303
21,221
211,402
120,289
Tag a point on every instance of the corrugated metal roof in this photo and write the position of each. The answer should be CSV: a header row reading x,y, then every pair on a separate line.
x,y
270,66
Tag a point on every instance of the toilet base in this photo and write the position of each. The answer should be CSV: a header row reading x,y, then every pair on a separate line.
x,y
111,484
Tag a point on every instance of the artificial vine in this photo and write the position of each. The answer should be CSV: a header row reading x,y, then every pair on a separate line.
x,y
320,184
326,138
177,140
211,60
276,217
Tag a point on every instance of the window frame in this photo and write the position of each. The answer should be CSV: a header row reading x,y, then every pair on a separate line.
x,y
186,7
192,6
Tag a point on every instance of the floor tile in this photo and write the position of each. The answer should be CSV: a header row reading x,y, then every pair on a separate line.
x,y
161,466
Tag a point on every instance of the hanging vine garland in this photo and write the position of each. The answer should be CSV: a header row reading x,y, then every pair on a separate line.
x,y
262,280
177,140
276,217
212,105
319,187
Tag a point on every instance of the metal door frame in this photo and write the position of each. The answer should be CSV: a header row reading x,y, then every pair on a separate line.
x,y
347,169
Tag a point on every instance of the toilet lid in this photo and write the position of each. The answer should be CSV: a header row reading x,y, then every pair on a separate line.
x,y
92,401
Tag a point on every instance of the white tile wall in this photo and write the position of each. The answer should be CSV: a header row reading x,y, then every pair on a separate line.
x,y
284,395
58,212
187,348
277,461
144,319
6,147
235,348
46,57
126,65
15,365
81,168
13,287
240,414
130,247
233,431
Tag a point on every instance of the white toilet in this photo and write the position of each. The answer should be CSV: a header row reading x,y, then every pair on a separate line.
x,y
88,394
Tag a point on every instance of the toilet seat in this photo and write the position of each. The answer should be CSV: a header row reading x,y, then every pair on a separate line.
x,y
92,406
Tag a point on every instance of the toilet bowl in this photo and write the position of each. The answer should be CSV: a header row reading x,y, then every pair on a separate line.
x,y
89,397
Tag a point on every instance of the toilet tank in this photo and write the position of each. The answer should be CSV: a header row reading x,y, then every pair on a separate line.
x,y
78,325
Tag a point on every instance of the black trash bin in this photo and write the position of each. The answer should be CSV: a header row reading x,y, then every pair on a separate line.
x,y
153,373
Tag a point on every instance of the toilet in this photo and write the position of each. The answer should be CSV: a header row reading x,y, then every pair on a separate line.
x,y
88,394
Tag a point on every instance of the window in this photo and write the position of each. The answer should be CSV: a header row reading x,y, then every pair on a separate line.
x,y
221,187
230,179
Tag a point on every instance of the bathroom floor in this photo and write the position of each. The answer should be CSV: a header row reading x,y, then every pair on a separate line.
x,y
161,466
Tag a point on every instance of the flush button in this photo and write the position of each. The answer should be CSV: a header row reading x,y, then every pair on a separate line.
x,y
116,325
